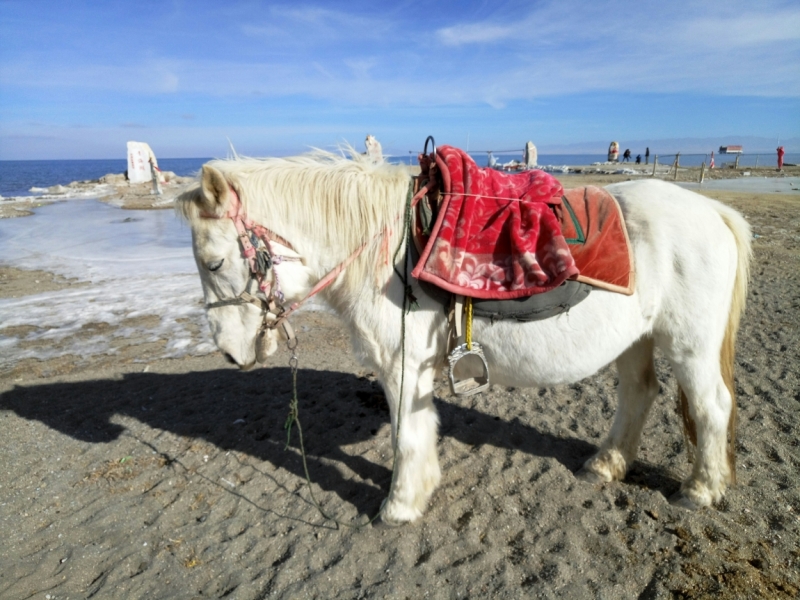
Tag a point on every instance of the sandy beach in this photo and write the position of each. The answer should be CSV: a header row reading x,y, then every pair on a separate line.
x,y
129,476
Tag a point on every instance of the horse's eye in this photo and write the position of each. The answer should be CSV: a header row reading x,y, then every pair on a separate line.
x,y
215,265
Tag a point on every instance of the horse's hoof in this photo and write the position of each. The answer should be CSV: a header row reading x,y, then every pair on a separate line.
x,y
588,476
386,521
680,500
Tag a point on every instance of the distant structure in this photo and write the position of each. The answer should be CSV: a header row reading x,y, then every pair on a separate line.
x,y
155,176
730,149
140,156
613,152
374,150
531,156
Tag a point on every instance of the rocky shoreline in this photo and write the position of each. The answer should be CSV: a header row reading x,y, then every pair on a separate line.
x,y
113,188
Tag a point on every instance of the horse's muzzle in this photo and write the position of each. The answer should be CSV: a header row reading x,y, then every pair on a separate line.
x,y
232,360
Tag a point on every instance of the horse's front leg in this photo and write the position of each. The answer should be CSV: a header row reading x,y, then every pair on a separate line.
x,y
414,434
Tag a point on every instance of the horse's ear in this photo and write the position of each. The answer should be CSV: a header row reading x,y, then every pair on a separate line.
x,y
214,189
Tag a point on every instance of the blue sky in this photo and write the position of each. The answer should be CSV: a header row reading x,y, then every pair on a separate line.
x,y
79,79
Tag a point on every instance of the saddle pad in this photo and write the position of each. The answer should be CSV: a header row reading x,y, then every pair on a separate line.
x,y
593,226
534,308
496,235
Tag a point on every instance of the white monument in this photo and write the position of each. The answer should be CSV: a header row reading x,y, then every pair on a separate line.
x,y
531,156
139,157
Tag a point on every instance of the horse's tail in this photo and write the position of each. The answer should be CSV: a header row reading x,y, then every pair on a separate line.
x,y
742,236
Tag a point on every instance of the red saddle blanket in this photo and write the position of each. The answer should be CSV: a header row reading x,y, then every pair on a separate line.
x,y
499,235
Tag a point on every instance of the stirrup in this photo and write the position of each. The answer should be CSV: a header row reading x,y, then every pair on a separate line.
x,y
469,385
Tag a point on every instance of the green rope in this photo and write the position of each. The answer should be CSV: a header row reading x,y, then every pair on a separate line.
x,y
409,300
293,418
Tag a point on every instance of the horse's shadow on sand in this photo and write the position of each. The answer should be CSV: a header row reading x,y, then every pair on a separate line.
x,y
246,412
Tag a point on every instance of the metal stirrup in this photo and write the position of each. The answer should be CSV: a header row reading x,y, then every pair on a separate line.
x,y
476,383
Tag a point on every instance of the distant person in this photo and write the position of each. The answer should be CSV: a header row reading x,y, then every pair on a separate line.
x,y
638,159
711,164
647,155
781,152
626,156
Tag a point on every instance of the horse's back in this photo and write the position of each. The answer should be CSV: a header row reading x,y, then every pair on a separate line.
x,y
686,252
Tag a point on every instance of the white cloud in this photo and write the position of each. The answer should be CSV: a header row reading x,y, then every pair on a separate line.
x,y
745,30
577,47
317,26
361,67
475,33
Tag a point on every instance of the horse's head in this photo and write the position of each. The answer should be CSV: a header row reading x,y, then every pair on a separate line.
x,y
237,309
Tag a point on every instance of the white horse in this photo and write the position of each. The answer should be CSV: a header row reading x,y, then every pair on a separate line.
x,y
691,259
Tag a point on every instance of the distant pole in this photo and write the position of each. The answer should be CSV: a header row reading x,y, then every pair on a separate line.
x,y
756,161
736,164
702,172
655,164
675,166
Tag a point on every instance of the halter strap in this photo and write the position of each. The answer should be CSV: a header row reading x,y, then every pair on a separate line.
x,y
326,280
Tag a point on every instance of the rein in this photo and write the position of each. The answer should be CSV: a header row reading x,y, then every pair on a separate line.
x,y
293,419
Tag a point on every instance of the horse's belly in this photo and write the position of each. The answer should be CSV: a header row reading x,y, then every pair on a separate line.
x,y
565,348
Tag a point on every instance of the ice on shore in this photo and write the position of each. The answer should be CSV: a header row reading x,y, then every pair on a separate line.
x,y
138,263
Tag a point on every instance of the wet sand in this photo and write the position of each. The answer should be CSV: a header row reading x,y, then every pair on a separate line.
x,y
128,477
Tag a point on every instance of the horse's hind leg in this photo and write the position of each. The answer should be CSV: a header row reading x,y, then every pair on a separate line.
x,y
709,407
417,471
636,391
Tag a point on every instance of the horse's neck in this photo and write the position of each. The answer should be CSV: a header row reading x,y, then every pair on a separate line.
x,y
371,271
327,229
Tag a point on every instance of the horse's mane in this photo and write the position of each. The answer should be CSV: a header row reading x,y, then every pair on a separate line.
x,y
338,200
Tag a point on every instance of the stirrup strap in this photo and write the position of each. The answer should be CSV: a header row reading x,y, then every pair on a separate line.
x,y
458,319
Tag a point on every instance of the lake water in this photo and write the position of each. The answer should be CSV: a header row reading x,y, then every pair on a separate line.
x,y
17,177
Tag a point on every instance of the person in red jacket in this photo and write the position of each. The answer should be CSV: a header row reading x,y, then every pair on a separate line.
x,y
781,152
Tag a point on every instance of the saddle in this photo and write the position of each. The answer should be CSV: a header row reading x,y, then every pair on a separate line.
x,y
496,236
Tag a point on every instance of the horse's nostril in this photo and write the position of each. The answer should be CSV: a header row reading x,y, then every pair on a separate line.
x,y
229,358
